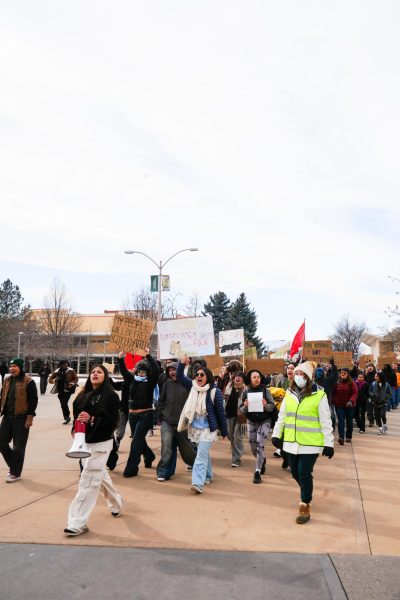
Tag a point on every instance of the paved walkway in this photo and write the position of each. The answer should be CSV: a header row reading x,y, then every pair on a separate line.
x,y
354,513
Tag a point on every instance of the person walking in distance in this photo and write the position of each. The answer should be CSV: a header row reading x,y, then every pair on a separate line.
x,y
380,393
19,400
344,398
44,373
65,381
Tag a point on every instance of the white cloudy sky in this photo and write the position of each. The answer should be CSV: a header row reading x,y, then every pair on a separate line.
x,y
266,133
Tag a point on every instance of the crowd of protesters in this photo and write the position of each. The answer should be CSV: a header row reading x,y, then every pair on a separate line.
x,y
299,410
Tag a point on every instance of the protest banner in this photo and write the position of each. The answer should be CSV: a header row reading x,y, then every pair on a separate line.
x,y
231,342
129,334
365,360
319,351
343,360
194,337
250,353
267,366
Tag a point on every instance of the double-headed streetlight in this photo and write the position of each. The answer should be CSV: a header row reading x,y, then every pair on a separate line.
x,y
160,267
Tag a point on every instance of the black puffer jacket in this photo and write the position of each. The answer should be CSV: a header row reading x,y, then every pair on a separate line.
x,y
104,408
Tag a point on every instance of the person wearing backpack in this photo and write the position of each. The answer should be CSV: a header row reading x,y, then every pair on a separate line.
x,y
203,414
380,393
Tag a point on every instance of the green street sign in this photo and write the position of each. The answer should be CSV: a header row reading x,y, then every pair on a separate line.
x,y
154,283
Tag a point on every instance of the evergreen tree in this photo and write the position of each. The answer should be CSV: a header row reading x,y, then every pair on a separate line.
x,y
11,301
242,316
218,307
12,317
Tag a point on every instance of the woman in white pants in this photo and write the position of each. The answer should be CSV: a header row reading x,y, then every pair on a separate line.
x,y
97,406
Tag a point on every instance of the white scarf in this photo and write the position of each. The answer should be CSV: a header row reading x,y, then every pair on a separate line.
x,y
195,405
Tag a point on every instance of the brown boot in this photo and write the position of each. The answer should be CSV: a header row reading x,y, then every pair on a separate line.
x,y
304,513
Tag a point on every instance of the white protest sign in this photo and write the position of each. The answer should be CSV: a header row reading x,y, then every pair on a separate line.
x,y
255,402
194,337
231,342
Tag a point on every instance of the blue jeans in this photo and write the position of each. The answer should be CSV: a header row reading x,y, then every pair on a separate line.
x,y
140,424
167,464
395,397
202,469
345,414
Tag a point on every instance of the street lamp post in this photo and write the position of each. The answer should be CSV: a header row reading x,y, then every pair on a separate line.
x,y
160,267
19,343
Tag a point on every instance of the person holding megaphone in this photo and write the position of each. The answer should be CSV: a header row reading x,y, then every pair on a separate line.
x,y
96,406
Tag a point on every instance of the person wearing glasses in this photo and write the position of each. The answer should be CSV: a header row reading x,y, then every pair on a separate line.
x,y
202,415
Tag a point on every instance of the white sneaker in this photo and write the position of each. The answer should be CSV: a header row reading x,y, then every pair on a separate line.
x,y
161,479
380,432
74,532
385,429
12,478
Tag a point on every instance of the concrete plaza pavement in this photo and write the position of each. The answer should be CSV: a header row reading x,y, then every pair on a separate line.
x,y
351,545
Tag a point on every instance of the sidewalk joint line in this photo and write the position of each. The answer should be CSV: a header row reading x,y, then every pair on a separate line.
x,y
38,499
362,499
338,576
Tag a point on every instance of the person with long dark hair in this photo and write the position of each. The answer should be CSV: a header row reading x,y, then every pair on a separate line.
x,y
259,423
97,405
203,414
304,430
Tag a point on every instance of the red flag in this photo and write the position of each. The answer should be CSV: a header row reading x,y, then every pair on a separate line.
x,y
298,340
132,359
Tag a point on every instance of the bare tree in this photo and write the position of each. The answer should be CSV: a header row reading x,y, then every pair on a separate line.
x,y
142,303
347,335
194,305
57,323
170,307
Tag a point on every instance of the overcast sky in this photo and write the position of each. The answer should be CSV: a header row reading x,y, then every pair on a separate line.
x,y
265,133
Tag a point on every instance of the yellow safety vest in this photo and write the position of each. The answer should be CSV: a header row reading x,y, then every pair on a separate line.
x,y
302,420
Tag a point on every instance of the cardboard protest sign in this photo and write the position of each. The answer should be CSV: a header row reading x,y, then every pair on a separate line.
x,y
319,351
110,368
343,359
130,334
267,366
250,353
386,347
194,337
214,363
231,342
388,359
365,360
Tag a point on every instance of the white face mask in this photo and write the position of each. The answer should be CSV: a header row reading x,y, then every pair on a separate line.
x,y
300,381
